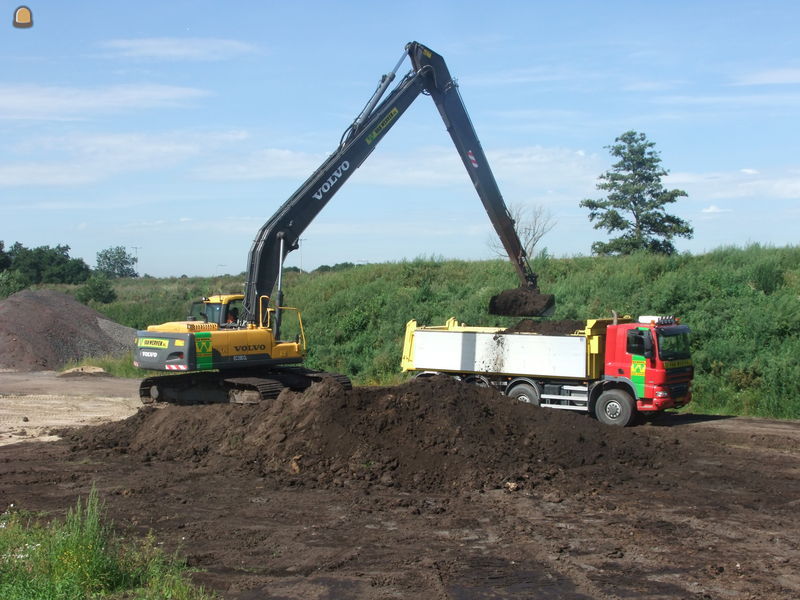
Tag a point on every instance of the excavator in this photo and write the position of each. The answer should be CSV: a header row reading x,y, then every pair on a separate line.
x,y
246,348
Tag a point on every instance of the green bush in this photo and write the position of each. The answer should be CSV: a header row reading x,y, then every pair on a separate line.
x,y
98,289
81,557
12,282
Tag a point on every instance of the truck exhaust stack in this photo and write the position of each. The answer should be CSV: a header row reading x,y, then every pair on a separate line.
x,y
522,302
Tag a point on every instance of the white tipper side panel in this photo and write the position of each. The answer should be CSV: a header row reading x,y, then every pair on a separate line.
x,y
513,354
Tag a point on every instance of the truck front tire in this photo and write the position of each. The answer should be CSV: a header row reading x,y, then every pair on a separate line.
x,y
525,392
615,407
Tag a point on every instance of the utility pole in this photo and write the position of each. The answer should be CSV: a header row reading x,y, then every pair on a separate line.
x,y
136,254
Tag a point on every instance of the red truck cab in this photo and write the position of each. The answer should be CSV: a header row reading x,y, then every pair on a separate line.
x,y
652,359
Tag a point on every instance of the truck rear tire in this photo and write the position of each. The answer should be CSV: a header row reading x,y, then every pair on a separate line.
x,y
615,407
525,392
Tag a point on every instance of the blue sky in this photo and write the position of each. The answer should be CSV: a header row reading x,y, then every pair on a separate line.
x,y
177,128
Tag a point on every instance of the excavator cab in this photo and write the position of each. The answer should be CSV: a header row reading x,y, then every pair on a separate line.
x,y
223,309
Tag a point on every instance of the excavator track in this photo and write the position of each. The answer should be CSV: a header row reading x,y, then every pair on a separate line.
x,y
236,387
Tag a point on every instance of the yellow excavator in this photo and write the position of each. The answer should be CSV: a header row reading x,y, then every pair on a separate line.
x,y
248,347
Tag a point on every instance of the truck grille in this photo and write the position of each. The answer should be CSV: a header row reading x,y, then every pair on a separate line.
x,y
679,390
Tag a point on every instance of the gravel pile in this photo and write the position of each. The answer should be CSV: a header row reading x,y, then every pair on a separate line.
x,y
44,330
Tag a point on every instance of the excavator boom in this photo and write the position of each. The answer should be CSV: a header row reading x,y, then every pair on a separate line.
x,y
281,234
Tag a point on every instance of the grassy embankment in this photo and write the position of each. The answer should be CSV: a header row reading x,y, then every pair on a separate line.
x,y
742,305
82,557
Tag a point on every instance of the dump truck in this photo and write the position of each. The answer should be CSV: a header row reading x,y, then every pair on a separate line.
x,y
615,369
248,347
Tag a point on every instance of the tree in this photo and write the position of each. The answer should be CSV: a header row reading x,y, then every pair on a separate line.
x,y
12,282
116,262
531,224
44,264
635,201
97,288
5,258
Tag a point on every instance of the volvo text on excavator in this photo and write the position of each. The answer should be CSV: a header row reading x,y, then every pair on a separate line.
x,y
248,347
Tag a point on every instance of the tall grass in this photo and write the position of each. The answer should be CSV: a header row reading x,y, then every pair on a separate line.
x,y
741,303
81,557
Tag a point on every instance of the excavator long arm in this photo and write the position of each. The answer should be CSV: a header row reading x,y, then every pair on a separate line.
x,y
444,92
280,235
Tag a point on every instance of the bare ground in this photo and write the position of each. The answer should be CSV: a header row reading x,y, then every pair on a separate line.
x,y
422,492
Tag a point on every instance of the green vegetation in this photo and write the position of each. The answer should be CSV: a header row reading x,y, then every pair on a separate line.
x,y
97,288
741,303
81,558
116,262
146,300
21,267
635,201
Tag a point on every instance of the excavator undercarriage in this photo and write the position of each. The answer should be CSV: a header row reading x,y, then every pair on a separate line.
x,y
245,386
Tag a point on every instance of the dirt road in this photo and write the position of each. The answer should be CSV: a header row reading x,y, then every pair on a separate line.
x,y
34,403
431,492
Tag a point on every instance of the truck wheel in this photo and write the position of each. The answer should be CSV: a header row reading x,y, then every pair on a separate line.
x,y
425,375
614,407
478,380
525,392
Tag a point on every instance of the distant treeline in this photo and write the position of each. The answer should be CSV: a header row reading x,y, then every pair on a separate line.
x,y
743,305
21,267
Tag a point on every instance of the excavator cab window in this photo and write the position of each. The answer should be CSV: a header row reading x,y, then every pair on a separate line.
x,y
233,312
197,312
206,312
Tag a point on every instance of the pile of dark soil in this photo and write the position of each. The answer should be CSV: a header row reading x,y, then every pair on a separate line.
x,y
521,302
564,327
427,434
44,330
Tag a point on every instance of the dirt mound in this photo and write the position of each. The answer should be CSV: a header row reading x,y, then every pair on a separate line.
x,y
44,330
521,302
427,434
564,327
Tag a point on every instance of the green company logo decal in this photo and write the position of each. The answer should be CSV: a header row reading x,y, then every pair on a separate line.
x,y
202,347
638,371
382,125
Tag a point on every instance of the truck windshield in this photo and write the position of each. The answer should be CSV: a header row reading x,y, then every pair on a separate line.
x,y
673,343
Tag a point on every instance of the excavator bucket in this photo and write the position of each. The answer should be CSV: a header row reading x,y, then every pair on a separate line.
x,y
522,302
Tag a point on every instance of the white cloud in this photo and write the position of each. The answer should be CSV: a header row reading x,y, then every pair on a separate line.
x,y
749,171
541,117
82,159
738,184
749,100
652,86
57,102
550,174
786,76
714,209
26,175
535,168
543,167
537,74
268,163
197,49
